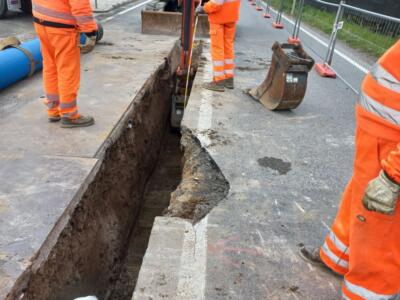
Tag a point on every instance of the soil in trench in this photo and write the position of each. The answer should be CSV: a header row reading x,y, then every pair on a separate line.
x,y
164,180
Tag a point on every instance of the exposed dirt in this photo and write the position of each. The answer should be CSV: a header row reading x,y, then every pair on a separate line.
x,y
86,257
162,183
203,185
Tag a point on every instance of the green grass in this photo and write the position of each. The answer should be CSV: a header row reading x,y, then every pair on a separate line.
x,y
353,34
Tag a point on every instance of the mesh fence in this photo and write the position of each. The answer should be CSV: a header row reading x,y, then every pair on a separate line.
x,y
370,32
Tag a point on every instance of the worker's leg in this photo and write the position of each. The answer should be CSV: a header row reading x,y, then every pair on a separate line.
x,y
229,52
374,256
335,251
67,54
217,50
50,80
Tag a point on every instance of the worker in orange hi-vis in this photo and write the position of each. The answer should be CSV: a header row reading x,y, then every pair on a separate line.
x,y
364,243
58,23
223,16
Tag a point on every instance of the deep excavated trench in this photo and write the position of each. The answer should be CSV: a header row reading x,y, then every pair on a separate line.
x,y
107,227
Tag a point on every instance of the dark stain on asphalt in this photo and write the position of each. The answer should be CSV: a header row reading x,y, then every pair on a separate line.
x,y
277,164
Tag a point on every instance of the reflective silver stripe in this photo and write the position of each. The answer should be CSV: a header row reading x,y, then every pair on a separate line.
x,y
218,63
52,97
384,78
219,74
84,19
227,1
367,294
344,297
218,2
334,258
230,72
338,243
53,13
229,61
52,104
71,104
369,104
70,114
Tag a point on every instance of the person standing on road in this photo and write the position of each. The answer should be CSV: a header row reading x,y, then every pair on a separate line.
x,y
58,23
223,16
364,243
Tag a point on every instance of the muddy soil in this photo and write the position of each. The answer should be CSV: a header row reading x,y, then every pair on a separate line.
x,y
162,183
203,185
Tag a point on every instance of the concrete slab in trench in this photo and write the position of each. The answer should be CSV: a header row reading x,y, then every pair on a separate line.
x,y
43,168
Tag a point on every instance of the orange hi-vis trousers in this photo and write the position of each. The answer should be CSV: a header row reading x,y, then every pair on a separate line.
x,y
61,69
222,50
364,246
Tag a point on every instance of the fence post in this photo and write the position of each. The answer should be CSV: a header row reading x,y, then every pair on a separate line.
x,y
278,22
258,5
293,7
324,68
294,39
267,13
96,4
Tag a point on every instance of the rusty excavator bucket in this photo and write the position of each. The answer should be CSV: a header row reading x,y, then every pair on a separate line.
x,y
286,83
156,20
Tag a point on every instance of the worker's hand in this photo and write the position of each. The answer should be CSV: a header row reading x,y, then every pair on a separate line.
x,y
200,10
381,195
90,42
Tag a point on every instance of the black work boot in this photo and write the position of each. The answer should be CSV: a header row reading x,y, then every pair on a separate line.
x,y
81,121
53,119
228,83
216,86
311,255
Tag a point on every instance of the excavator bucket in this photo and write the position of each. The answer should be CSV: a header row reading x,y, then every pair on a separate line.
x,y
286,83
157,21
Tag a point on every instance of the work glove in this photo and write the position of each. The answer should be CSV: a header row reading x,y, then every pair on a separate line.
x,y
200,10
381,195
90,42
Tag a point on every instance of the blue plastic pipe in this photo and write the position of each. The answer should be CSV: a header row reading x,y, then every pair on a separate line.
x,y
15,65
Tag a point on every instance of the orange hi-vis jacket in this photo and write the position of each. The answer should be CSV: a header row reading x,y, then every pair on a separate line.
x,y
222,11
378,108
70,12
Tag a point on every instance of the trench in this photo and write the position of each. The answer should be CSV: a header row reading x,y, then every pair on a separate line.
x,y
143,171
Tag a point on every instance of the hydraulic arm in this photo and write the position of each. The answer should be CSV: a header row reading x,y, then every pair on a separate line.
x,y
184,73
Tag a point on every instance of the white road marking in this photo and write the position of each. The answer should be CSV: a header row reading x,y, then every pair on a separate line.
x,y
126,11
299,207
204,122
341,54
294,295
261,238
310,267
276,203
326,225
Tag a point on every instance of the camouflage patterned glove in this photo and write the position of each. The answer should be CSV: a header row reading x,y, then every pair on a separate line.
x,y
381,195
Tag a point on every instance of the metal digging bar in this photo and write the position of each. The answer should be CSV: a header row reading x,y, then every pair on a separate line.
x,y
278,22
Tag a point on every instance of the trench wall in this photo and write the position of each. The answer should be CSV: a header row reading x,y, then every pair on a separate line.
x,y
86,257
